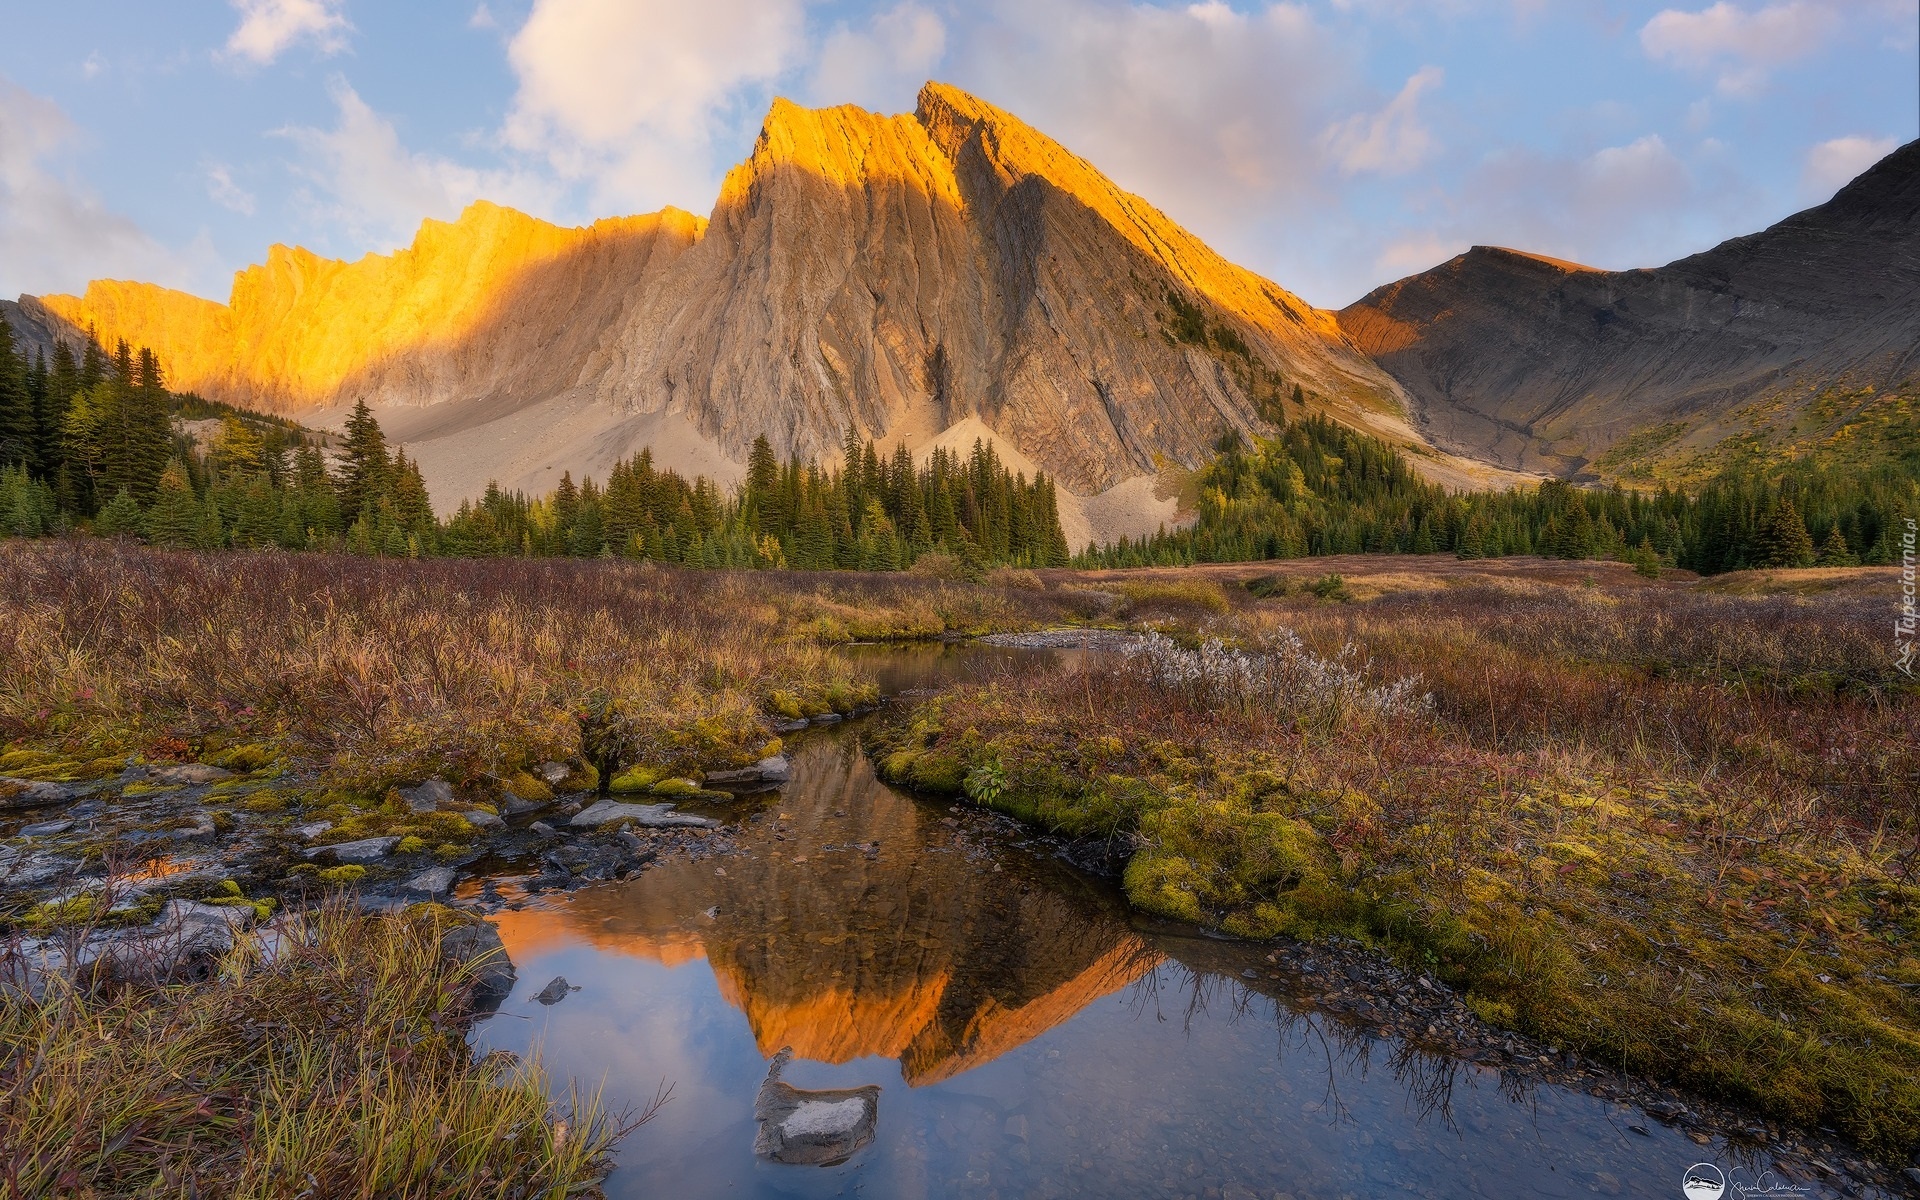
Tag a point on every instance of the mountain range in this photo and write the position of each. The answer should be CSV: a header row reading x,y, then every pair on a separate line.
x,y
953,274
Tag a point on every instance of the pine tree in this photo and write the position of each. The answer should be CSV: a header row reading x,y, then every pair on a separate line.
x,y
1834,551
175,518
363,462
19,424
1783,541
120,517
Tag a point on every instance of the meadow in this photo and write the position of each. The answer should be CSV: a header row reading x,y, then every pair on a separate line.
x,y
1675,827
1670,823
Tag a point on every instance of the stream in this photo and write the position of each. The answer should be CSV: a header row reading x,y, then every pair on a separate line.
x,y
1028,1036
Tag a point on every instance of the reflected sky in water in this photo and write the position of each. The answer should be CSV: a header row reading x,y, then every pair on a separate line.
x,y
1029,1040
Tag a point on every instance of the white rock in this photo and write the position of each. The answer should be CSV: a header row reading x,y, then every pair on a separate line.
x,y
365,850
653,816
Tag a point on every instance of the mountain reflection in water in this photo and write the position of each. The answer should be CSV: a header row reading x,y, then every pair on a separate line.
x,y
927,950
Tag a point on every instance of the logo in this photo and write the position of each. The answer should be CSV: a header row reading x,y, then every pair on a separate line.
x,y
1704,1182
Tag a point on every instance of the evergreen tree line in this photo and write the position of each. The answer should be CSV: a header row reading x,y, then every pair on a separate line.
x,y
106,458
871,513
1318,488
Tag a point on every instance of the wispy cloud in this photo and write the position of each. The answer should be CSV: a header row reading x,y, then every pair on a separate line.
x,y
1741,48
1833,164
226,193
1391,141
629,95
269,27
362,178
55,233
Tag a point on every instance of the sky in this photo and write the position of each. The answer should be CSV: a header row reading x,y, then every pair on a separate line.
x,y
1331,145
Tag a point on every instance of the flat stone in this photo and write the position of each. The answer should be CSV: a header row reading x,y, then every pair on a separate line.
x,y
784,725
31,793
34,869
555,991
189,773
202,928
45,828
427,797
542,829
830,718
551,773
312,829
517,806
365,850
480,818
653,816
434,881
773,769
811,1127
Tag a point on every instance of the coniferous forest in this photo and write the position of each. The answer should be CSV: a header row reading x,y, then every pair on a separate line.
x,y
96,441
1319,488
110,458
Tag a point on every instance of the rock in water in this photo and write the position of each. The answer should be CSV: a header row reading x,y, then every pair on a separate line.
x,y
434,881
811,1127
653,816
555,991
365,850
479,942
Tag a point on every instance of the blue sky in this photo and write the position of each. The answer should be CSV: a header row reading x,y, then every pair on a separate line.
x,y
1332,145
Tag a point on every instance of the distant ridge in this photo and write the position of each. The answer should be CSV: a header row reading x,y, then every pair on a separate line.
x,y
1542,365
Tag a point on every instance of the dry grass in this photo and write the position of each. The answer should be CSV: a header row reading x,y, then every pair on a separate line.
x,y
381,671
1678,830
335,1068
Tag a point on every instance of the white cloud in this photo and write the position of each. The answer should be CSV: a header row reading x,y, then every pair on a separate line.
x,y
1391,141
378,191
94,66
483,18
55,234
1740,46
629,95
268,27
1208,111
874,67
1832,165
226,193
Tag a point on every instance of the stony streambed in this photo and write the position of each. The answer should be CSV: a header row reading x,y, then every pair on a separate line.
x,y
969,1008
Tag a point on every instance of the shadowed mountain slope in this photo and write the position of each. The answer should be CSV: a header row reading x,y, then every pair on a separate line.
x,y
1544,365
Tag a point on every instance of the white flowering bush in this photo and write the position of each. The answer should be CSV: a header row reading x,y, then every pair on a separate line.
x,y
1280,675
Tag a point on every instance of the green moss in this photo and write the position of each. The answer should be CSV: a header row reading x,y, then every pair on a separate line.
x,y
342,875
675,787
246,758
1164,884
411,844
527,787
636,779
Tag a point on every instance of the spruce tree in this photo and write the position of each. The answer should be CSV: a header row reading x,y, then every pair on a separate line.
x,y
175,518
363,462
1783,540
19,424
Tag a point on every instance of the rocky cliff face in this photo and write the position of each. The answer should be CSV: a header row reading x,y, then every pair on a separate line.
x,y
904,275
1545,365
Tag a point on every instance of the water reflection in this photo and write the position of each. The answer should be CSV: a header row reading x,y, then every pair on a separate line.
x,y
1050,1047
917,944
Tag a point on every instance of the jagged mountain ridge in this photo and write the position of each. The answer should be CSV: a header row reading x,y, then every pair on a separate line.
x,y
1544,365
949,272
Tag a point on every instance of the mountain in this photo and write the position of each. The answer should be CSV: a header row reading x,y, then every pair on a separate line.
x,y
931,277
1798,335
